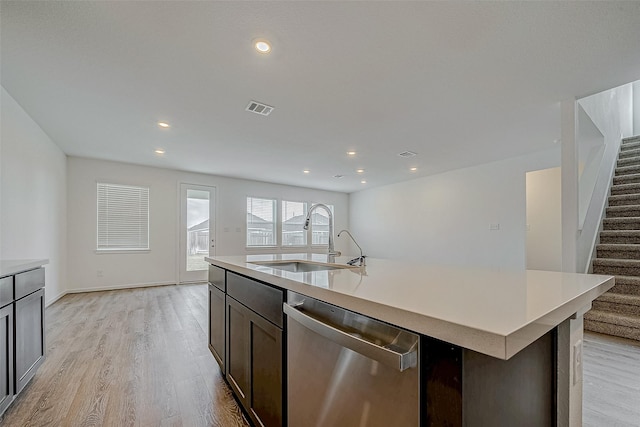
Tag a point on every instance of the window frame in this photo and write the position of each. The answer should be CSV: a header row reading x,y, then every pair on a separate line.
x,y
123,249
278,226
275,223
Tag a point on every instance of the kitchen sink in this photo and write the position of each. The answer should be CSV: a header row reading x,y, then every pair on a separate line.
x,y
301,266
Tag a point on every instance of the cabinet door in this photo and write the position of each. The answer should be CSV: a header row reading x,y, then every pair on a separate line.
x,y
266,372
29,337
238,349
6,357
217,324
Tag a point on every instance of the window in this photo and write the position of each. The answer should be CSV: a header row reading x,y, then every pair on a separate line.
x,y
261,215
320,226
293,216
123,217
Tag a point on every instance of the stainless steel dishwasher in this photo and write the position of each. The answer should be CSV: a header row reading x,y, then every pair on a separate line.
x,y
346,369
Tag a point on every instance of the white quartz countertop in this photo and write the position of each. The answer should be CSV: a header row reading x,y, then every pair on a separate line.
x,y
495,312
10,267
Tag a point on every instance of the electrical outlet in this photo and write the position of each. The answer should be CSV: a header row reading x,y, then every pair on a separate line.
x,y
494,226
226,229
99,273
577,362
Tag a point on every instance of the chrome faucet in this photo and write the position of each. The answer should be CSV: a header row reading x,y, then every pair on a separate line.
x,y
332,250
360,260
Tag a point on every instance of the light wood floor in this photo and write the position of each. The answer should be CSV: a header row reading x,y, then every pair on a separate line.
x,y
139,357
134,357
611,394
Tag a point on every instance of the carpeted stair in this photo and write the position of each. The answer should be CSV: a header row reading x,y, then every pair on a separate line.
x,y
617,312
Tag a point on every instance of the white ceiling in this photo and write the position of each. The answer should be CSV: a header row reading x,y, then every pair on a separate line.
x,y
459,83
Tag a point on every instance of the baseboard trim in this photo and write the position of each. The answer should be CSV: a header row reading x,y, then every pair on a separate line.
x,y
56,298
118,287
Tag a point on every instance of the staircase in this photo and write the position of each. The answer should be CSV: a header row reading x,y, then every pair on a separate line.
x,y
617,312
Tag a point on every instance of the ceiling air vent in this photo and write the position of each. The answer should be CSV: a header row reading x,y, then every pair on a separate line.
x,y
259,108
407,154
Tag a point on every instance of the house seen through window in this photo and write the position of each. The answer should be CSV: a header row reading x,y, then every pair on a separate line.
x,y
263,216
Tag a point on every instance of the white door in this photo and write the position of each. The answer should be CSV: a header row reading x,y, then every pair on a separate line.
x,y
197,231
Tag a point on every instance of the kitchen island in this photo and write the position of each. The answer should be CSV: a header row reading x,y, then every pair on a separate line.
x,y
496,345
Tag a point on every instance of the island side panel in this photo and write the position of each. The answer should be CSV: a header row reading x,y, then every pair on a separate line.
x,y
520,391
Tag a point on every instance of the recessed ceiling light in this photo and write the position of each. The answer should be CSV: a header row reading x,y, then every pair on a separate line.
x,y
306,171
262,46
360,170
351,153
160,151
363,182
413,169
163,124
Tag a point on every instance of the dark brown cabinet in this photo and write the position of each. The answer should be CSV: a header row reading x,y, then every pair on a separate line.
x,y
254,365
217,325
246,338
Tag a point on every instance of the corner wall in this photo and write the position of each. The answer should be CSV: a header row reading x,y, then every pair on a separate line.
x,y
159,265
447,218
33,214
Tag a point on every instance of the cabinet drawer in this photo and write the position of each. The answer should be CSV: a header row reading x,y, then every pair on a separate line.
x,y
263,299
217,277
6,290
28,282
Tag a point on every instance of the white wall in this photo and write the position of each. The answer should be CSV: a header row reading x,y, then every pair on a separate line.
x,y
34,195
611,112
446,218
544,220
159,265
636,108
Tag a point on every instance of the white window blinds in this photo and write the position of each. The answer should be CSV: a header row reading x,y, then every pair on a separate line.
x,y
123,217
320,226
261,215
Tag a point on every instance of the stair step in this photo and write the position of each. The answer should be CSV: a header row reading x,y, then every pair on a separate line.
x,y
627,285
630,140
630,146
621,223
620,251
626,179
624,200
624,211
620,236
615,267
630,152
625,189
613,324
628,161
628,305
627,170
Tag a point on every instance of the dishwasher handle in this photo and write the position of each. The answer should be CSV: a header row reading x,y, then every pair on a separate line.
x,y
388,357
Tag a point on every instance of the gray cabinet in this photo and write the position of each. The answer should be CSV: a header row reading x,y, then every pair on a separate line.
x,y
22,333
29,337
6,357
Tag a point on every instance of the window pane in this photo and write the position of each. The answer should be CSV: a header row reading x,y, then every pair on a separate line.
x,y
123,217
320,226
197,229
260,222
293,216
